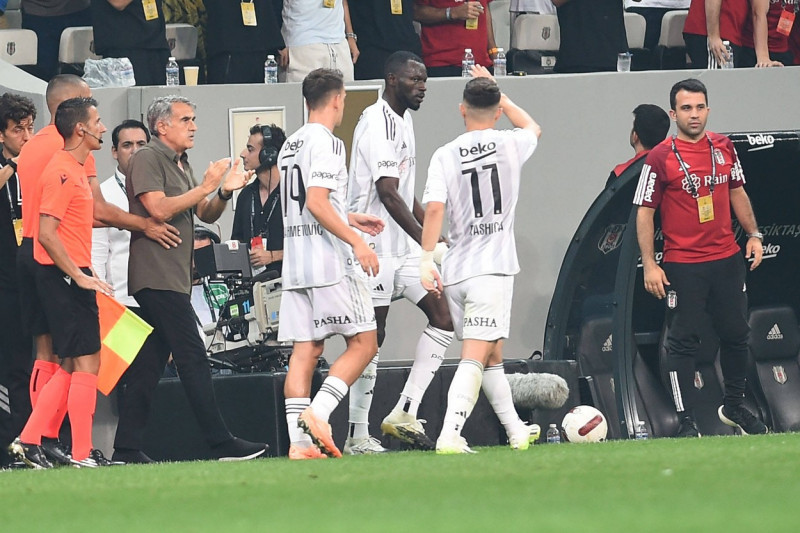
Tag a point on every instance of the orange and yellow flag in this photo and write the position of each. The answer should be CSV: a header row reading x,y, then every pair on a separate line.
x,y
122,333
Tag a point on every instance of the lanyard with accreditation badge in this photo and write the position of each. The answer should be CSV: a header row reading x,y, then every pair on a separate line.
x,y
705,204
786,21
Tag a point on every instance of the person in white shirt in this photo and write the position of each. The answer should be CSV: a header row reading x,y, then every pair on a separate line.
x,y
382,176
111,246
325,292
477,176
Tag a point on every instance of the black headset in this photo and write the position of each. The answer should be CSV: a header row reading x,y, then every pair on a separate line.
x,y
268,155
202,232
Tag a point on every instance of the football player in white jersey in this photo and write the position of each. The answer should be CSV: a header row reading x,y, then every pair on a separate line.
x,y
325,291
477,177
382,176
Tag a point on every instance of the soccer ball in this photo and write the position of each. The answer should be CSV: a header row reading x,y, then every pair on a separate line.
x,y
585,424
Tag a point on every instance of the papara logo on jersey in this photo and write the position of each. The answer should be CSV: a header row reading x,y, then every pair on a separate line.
x,y
387,164
331,320
323,175
477,149
650,187
760,141
482,321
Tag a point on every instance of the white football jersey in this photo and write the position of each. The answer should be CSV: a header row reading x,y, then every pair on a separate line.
x,y
312,256
383,146
477,176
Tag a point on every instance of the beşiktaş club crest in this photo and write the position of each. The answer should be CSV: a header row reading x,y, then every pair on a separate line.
x,y
698,380
719,157
546,32
611,239
11,48
779,374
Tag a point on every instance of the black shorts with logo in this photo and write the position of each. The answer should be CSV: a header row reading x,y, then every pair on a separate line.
x,y
34,321
71,312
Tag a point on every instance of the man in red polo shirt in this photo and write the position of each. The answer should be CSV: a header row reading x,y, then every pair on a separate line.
x,y
694,179
67,285
776,18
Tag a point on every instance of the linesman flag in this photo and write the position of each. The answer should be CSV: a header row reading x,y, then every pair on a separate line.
x,y
122,333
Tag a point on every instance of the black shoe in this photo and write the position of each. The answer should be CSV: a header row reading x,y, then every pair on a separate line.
x,y
102,460
131,457
30,454
739,416
56,452
238,449
688,428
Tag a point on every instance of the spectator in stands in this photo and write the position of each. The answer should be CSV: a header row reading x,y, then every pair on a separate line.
x,y
17,114
650,127
383,28
241,60
592,34
128,28
258,219
794,42
772,51
445,34
190,12
48,18
318,34
653,11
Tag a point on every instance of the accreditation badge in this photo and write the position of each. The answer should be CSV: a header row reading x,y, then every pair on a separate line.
x,y
471,24
705,208
786,22
249,14
397,7
330,4
150,9
18,230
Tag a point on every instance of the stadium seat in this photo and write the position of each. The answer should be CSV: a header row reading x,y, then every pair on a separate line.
x,y
75,47
18,47
775,345
182,40
13,15
535,40
635,26
708,381
501,22
671,50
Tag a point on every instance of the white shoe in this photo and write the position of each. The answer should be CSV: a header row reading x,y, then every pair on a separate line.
x,y
525,437
363,446
452,445
407,428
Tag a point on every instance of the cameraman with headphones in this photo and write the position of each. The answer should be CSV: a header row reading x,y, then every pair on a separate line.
x,y
258,219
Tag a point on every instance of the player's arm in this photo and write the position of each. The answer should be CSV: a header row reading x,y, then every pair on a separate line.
x,y
743,210
518,117
654,276
425,14
431,230
48,238
319,205
759,10
715,46
390,198
210,210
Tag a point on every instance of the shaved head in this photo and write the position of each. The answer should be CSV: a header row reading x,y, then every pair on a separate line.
x,y
64,87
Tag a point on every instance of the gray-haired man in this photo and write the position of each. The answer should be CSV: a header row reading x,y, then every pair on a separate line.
x,y
160,182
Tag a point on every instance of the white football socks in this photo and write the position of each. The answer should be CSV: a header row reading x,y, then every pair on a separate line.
x,y
427,359
295,406
497,390
361,395
331,393
461,396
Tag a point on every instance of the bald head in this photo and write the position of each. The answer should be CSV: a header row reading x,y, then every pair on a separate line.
x,y
64,87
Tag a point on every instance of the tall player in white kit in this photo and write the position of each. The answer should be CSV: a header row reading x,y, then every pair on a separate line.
x,y
477,176
382,178
325,292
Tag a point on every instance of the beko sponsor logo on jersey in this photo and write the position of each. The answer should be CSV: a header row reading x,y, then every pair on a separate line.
x,y
760,141
331,320
293,145
477,149
485,228
302,230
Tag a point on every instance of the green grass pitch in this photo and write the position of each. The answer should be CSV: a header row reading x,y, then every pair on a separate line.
x,y
724,484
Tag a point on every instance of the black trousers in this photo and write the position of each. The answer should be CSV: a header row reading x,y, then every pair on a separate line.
x,y
149,65
239,67
697,48
714,289
174,331
16,352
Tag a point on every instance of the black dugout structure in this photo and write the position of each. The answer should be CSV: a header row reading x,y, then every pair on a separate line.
x,y
601,316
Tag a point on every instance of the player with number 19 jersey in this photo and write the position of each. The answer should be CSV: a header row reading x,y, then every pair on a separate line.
x,y
313,257
481,211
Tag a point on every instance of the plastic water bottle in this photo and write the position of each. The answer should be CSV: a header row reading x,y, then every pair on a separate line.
x,y
126,75
270,70
467,63
641,431
500,63
729,63
173,74
553,435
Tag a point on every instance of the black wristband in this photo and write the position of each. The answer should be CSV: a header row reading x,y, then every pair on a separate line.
x,y
222,197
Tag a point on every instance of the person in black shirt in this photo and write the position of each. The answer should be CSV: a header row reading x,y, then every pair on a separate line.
x,y
237,50
382,30
592,34
17,114
258,219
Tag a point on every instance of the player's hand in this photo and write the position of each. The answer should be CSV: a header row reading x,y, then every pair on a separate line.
x,y
717,49
354,51
467,10
92,283
479,71
439,251
214,173
164,234
369,224
260,257
366,257
237,178
768,63
283,57
654,281
754,249
429,274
